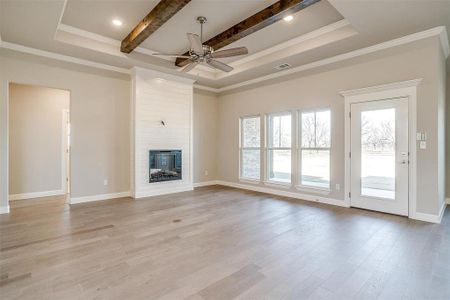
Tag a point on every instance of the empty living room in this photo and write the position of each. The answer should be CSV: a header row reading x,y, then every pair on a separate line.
x,y
225,149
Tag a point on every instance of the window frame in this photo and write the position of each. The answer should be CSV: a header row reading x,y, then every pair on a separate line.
x,y
300,185
242,148
267,149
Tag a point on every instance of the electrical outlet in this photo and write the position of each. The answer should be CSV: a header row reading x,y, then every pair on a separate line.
x,y
105,182
206,172
338,187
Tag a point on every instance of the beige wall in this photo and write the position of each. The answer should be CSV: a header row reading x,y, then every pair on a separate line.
x,y
100,118
441,116
206,116
320,88
36,138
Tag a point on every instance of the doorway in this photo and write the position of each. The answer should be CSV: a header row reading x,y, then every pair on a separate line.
x,y
38,142
380,155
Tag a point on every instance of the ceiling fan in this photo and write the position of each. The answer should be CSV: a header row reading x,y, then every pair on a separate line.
x,y
200,53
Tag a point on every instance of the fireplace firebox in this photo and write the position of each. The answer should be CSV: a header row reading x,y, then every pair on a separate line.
x,y
165,165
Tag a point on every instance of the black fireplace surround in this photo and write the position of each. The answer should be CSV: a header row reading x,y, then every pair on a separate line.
x,y
165,165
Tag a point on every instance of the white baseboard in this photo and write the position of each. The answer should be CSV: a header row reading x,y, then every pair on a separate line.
x,y
166,191
4,209
430,217
284,193
447,200
98,197
205,183
36,195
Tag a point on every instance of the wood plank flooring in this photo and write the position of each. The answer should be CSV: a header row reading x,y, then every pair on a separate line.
x,y
218,243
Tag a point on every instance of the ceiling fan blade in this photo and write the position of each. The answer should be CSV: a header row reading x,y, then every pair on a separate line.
x,y
189,66
220,65
196,43
171,55
230,52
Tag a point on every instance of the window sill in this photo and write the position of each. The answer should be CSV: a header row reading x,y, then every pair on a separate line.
x,y
278,184
310,189
248,180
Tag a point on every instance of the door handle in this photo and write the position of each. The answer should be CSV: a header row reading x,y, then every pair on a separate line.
x,y
404,162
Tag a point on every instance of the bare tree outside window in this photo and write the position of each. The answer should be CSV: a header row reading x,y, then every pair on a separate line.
x,y
315,149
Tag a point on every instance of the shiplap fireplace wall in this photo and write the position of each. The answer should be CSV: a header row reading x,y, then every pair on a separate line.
x,y
161,116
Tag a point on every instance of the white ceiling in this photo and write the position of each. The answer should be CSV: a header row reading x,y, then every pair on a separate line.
x,y
348,25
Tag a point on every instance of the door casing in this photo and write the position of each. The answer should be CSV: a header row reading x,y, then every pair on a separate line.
x,y
406,89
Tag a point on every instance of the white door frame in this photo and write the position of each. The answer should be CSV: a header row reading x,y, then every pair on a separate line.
x,y
406,89
65,159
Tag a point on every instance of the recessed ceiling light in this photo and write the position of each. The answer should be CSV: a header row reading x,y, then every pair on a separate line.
x,y
117,22
288,18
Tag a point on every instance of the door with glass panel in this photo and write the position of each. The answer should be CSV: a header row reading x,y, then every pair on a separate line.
x,y
380,155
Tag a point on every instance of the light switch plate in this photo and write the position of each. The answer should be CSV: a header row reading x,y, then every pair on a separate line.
x,y
419,136
423,145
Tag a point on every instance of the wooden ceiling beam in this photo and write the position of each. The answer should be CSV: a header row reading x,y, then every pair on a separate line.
x,y
258,21
159,15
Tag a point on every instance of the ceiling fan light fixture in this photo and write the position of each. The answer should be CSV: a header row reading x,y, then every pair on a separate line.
x,y
288,18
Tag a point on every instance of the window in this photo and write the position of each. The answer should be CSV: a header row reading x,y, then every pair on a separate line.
x,y
315,149
250,148
279,127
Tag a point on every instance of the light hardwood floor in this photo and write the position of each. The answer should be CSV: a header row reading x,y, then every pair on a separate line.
x,y
218,243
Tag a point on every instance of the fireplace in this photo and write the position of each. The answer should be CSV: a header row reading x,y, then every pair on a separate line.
x,y
165,165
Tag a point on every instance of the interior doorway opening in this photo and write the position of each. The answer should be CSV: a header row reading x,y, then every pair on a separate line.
x,y
38,142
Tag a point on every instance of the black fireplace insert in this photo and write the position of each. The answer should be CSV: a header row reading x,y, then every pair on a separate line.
x,y
165,165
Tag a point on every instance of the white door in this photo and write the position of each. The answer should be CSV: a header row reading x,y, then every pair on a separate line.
x,y
380,155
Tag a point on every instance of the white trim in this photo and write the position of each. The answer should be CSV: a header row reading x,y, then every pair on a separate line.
x,y
160,192
205,183
289,194
277,184
84,199
310,189
407,89
430,217
443,38
447,200
4,209
65,159
440,31
292,42
249,180
382,88
61,57
36,195
162,75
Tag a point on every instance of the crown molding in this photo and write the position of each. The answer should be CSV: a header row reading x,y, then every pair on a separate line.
x,y
161,75
440,31
383,87
61,57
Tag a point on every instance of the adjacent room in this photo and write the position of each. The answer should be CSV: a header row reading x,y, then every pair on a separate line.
x,y
224,149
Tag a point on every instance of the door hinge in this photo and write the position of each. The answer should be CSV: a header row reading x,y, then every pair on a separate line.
x,y
349,195
350,155
350,114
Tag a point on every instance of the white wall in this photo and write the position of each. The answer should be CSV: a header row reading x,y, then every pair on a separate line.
x,y
158,97
36,159
100,121
320,88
